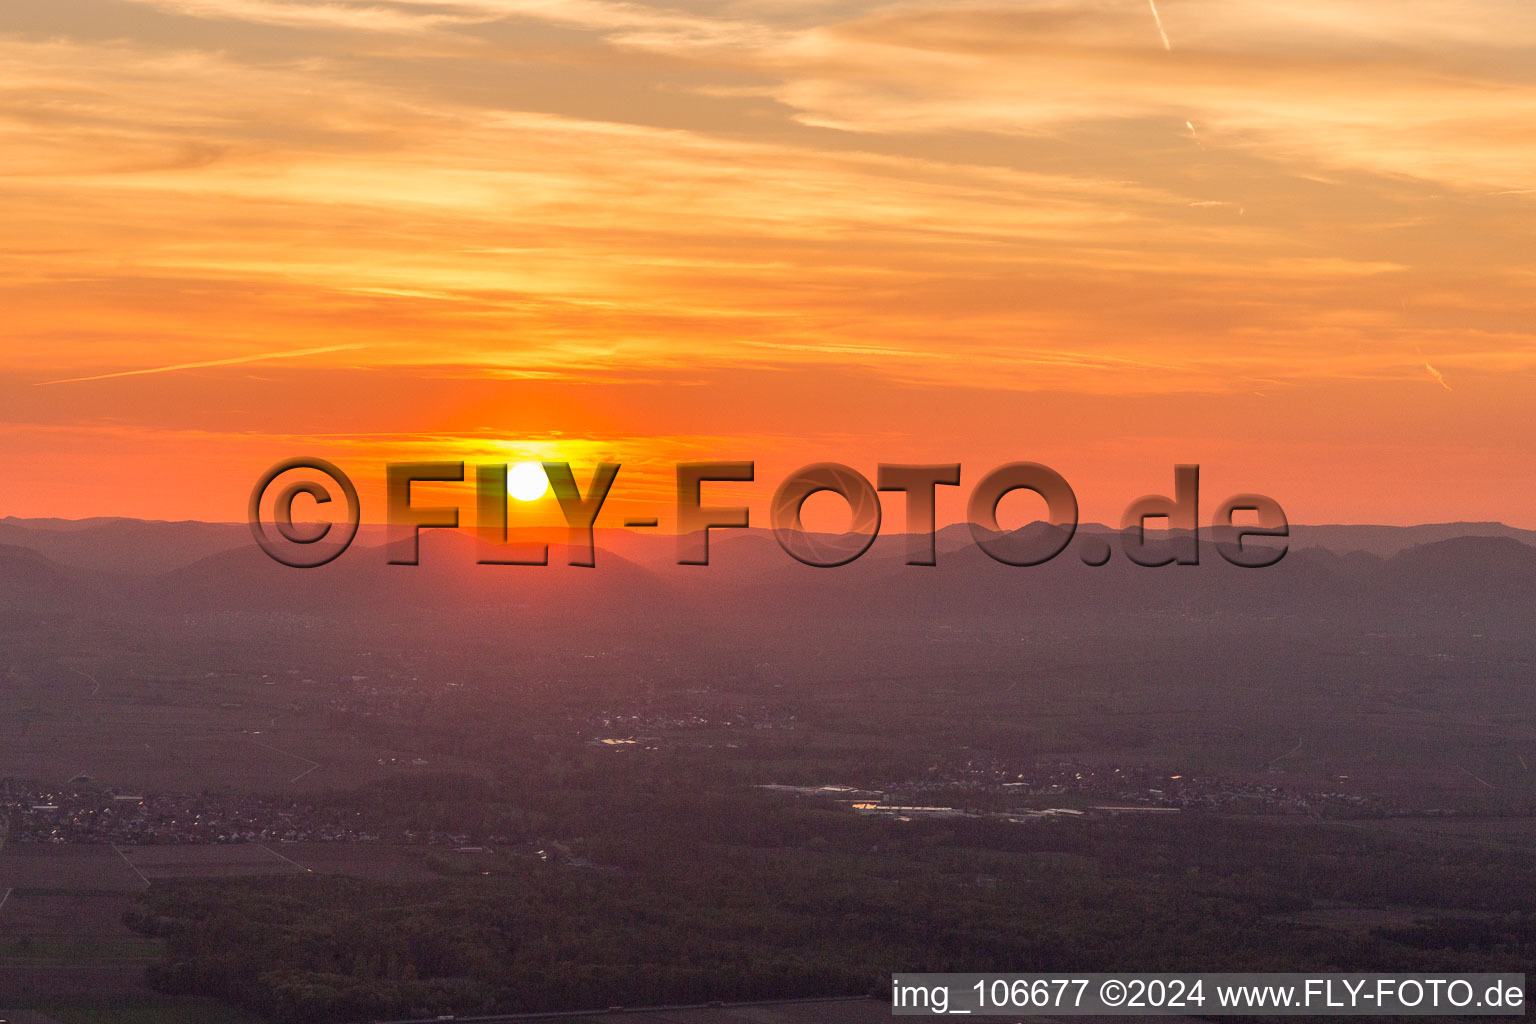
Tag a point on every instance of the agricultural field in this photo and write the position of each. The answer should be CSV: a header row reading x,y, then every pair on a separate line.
x,y
357,860
66,957
59,943
59,867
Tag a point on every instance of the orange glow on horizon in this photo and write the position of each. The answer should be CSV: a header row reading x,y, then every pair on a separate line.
x,y
1288,242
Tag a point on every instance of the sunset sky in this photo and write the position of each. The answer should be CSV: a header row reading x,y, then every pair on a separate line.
x,y
1292,242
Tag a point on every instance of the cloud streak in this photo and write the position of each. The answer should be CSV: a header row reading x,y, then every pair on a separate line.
x,y
1158,19
261,357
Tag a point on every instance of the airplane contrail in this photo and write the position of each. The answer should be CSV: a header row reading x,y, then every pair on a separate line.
x,y
1158,18
1439,377
235,361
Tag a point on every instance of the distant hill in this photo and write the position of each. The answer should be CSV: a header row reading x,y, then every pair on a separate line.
x,y
125,545
31,583
195,571
1386,541
1464,576
363,583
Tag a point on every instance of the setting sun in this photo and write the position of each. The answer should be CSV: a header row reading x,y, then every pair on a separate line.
x,y
526,481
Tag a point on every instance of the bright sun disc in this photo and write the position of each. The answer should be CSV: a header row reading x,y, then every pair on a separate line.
x,y
526,481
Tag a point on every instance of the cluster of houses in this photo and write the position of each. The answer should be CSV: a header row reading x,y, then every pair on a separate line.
x,y
34,812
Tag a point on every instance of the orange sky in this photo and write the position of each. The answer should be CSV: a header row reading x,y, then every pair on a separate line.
x,y
1294,244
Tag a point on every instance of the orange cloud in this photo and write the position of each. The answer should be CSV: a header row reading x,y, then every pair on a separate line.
x,y
927,204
